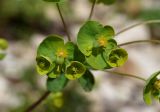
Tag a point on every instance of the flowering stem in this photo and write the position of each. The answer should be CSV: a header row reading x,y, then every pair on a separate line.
x,y
34,105
140,41
125,74
63,22
141,23
92,10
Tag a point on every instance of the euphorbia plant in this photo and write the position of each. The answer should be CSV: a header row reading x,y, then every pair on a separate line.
x,y
95,49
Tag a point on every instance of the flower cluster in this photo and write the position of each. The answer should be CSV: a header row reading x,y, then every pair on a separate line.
x,y
95,49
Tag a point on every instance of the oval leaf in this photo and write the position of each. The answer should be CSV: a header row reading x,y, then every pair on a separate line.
x,y
96,61
93,34
49,46
87,81
56,85
75,70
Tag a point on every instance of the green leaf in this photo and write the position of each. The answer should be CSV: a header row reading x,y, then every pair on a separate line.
x,y
70,46
50,46
44,65
149,87
86,36
96,61
75,70
3,44
87,81
78,55
93,34
117,57
110,30
56,85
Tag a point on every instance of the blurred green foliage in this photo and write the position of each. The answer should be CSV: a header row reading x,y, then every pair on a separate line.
x,y
21,18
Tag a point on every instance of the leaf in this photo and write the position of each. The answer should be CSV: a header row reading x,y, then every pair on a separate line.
x,y
117,57
74,70
93,34
70,46
110,30
44,65
49,47
56,85
87,81
96,62
3,44
148,88
86,36
78,55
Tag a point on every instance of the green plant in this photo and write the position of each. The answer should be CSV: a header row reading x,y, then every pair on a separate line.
x,y
96,49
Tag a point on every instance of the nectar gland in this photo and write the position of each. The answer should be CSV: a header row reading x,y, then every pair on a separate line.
x,y
102,41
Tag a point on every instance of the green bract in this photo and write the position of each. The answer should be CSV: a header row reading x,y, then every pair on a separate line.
x,y
87,81
53,54
117,57
56,85
97,44
152,88
75,70
44,65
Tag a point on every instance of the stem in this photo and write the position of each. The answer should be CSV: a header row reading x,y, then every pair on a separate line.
x,y
63,22
139,41
92,10
34,105
127,75
141,23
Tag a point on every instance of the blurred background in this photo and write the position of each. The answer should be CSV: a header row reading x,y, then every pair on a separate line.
x,y
25,23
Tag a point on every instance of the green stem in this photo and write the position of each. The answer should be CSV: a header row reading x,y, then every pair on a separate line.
x,y
139,41
141,23
39,101
92,10
125,74
63,22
